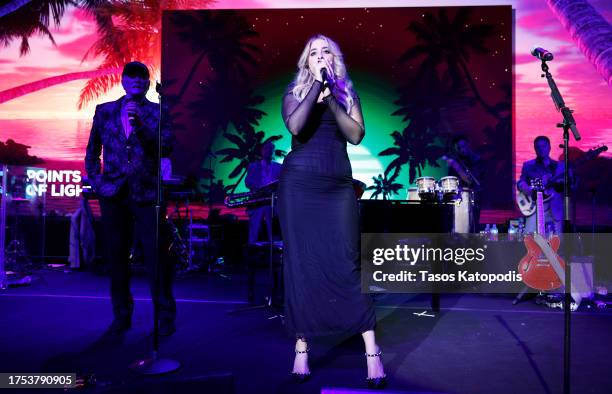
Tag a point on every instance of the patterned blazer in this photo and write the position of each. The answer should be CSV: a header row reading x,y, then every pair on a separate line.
x,y
130,160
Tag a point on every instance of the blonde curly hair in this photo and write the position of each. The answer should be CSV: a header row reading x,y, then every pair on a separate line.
x,y
342,89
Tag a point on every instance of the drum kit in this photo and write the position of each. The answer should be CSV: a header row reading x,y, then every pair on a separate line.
x,y
447,190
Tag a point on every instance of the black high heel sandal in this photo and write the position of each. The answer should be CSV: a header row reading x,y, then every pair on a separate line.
x,y
300,377
378,382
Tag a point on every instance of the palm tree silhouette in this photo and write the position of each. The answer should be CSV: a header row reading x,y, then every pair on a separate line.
x,y
589,30
12,6
451,42
422,102
426,99
21,19
401,150
225,102
416,146
225,99
247,147
220,38
219,106
384,187
493,150
127,30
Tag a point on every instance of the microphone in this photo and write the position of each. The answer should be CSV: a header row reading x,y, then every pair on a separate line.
x,y
542,54
328,80
324,75
132,117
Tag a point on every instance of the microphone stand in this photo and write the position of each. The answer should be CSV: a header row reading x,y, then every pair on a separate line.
x,y
568,124
155,365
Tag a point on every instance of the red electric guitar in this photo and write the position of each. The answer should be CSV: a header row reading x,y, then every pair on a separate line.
x,y
537,271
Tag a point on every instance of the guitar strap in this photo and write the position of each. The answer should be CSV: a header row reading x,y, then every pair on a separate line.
x,y
552,258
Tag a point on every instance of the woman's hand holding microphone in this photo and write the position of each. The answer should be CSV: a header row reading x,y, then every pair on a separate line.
x,y
324,73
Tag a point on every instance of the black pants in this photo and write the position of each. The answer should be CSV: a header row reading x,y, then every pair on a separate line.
x,y
121,218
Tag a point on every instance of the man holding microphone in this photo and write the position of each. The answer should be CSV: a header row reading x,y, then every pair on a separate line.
x,y
126,186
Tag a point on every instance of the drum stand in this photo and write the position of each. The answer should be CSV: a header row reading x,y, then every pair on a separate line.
x,y
185,251
268,300
15,255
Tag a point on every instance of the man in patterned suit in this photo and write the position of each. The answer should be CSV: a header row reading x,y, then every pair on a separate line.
x,y
127,129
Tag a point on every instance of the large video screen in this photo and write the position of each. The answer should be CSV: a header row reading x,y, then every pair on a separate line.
x,y
421,76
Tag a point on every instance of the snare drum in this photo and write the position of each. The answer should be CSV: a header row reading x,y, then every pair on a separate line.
x,y
426,188
449,186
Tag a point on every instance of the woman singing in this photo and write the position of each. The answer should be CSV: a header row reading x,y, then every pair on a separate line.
x,y
318,209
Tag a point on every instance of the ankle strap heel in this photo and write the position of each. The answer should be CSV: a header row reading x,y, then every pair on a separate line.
x,y
301,377
378,382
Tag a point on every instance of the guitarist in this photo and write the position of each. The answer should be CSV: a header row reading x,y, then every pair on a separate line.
x,y
545,168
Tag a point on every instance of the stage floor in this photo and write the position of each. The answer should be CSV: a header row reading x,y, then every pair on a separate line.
x,y
476,344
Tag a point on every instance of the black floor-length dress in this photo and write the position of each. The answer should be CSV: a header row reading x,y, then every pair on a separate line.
x,y
319,220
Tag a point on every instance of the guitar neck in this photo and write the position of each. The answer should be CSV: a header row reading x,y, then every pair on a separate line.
x,y
590,155
540,227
